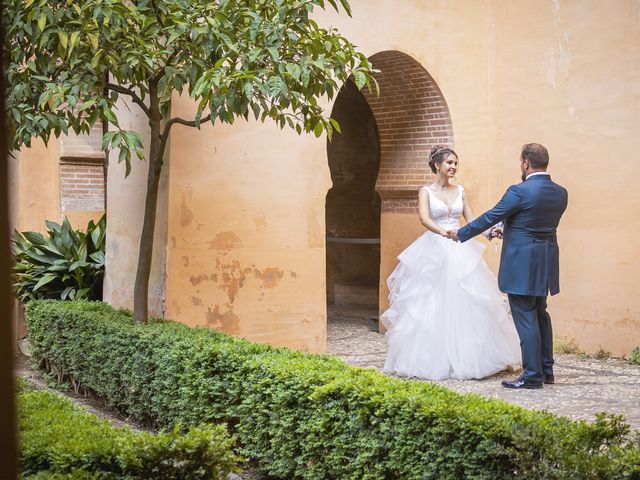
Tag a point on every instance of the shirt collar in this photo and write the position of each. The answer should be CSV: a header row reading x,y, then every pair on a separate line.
x,y
537,173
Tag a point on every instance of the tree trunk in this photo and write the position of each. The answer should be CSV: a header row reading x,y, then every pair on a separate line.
x,y
141,287
8,441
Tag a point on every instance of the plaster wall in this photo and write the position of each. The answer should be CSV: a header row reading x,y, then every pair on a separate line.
x,y
246,249
246,231
125,207
35,186
562,73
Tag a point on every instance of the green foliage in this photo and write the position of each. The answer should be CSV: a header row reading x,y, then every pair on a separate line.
x,y
300,415
567,346
635,356
65,264
60,440
233,57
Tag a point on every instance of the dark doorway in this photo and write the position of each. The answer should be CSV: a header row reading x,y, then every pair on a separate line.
x,y
353,205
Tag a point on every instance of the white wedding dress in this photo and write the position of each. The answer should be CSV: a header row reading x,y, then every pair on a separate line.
x,y
447,318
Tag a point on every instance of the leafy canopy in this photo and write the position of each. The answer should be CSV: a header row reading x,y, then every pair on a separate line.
x,y
71,60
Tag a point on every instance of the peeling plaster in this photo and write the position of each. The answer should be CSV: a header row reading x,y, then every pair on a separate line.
x,y
227,321
270,276
224,241
186,215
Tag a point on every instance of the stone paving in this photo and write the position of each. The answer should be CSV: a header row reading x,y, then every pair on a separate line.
x,y
584,386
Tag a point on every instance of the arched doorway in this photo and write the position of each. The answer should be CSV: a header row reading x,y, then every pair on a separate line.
x,y
387,136
353,206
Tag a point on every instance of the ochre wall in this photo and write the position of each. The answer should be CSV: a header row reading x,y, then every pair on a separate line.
x,y
246,231
36,174
245,234
37,187
125,207
567,74
563,73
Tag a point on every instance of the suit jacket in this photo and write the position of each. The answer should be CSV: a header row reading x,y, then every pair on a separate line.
x,y
531,211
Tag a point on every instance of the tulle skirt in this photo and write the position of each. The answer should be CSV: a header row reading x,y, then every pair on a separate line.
x,y
447,317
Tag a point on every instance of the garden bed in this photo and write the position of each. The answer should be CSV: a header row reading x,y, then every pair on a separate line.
x,y
60,440
311,416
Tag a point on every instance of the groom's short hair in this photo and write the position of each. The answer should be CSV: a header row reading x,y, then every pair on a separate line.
x,y
536,155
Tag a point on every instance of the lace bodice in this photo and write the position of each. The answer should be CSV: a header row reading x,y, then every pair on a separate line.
x,y
440,213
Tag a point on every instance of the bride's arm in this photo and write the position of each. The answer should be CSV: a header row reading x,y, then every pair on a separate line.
x,y
425,218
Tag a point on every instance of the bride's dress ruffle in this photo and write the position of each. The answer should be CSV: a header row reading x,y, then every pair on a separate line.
x,y
447,318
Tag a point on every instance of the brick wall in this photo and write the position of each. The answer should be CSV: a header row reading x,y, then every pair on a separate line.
x,y
412,116
82,173
81,186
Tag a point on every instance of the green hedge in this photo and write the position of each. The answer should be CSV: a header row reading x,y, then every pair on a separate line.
x,y
60,440
309,416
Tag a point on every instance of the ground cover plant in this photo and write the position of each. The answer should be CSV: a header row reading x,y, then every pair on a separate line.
x,y
60,440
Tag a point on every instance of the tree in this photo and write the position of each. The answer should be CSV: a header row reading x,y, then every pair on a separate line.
x,y
70,61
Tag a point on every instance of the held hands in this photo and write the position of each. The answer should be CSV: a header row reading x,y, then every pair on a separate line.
x,y
452,234
494,232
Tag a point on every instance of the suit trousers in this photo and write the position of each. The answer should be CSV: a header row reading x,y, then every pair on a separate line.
x,y
533,325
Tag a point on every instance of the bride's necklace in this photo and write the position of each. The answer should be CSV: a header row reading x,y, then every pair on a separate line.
x,y
440,187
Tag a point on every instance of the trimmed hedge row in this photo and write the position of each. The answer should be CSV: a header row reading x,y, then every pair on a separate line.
x,y
310,416
60,440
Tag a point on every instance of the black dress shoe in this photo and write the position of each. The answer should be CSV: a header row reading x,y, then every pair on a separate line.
x,y
521,383
549,379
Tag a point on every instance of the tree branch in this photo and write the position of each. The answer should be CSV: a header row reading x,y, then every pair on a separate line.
x,y
136,99
188,123
167,128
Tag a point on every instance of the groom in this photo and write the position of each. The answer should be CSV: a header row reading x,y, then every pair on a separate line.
x,y
529,268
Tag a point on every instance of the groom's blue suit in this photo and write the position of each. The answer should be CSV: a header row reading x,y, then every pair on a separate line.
x,y
529,265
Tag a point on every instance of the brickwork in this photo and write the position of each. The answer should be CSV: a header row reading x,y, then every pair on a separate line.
x,y
412,116
81,186
82,176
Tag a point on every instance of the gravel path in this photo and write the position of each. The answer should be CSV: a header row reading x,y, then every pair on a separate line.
x,y
584,386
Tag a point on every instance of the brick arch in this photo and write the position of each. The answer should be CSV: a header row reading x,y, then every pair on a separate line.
x,y
412,116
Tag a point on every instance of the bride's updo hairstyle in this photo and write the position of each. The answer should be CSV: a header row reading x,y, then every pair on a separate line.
x,y
438,155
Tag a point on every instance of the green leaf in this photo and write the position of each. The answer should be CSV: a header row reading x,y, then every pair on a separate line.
x,y
274,86
335,124
42,20
318,129
44,280
359,78
84,105
294,70
93,39
64,38
274,53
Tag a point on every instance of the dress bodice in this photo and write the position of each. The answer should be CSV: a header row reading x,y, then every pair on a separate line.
x,y
440,213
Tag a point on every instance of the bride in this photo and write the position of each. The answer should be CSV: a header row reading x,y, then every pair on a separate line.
x,y
447,318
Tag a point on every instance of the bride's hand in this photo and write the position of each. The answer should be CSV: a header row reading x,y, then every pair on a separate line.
x,y
453,235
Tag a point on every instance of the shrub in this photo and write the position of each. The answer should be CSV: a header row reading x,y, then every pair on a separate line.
x,y
310,416
60,440
64,264
635,356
